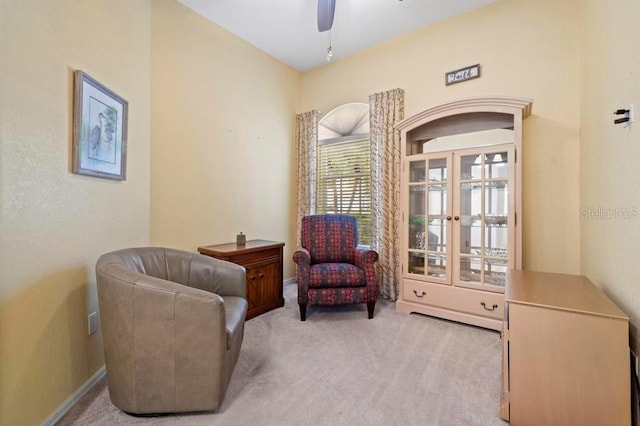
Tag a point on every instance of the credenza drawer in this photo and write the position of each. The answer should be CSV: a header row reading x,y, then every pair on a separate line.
x,y
460,299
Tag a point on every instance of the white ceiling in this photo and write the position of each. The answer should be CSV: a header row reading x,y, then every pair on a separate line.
x,y
288,30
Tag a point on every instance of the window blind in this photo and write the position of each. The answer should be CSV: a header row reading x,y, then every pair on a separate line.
x,y
344,182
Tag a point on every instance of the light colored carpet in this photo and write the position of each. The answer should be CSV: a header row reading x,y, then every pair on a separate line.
x,y
339,368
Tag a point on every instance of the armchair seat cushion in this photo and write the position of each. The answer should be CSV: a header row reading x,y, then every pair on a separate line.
x,y
331,275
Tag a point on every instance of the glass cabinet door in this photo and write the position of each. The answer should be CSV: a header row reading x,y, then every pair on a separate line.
x,y
484,208
429,217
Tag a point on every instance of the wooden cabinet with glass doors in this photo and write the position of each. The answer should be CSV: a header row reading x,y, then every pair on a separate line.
x,y
460,199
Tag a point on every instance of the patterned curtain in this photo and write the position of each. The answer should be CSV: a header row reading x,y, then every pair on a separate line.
x,y
306,146
385,110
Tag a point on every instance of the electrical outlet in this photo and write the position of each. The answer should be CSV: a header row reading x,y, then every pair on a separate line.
x,y
93,323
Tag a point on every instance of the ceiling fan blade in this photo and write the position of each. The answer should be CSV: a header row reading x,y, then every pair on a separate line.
x,y
326,10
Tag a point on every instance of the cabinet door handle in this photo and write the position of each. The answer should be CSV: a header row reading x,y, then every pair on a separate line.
x,y
457,218
260,275
485,306
448,217
419,295
252,277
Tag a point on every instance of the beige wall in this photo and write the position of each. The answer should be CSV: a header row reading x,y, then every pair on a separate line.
x,y
525,48
609,153
221,117
54,224
222,129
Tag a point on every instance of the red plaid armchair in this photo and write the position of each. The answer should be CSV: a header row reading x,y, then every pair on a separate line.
x,y
331,269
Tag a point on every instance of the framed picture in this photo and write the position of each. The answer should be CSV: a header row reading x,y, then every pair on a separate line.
x,y
462,74
99,130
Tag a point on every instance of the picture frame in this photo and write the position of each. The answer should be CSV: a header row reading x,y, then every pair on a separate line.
x,y
462,74
99,129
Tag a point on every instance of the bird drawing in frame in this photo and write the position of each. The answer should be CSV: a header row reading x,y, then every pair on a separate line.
x,y
96,135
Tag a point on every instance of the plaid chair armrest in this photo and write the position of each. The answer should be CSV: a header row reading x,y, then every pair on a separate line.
x,y
365,260
302,258
365,257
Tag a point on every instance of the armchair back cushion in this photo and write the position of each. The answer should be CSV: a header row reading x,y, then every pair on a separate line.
x,y
330,238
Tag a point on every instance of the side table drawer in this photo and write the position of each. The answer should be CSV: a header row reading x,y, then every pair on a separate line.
x,y
249,260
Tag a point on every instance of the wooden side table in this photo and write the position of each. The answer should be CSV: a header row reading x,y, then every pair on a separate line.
x,y
263,261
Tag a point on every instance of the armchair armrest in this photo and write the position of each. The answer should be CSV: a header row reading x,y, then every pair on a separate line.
x,y
218,276
302,257
365,257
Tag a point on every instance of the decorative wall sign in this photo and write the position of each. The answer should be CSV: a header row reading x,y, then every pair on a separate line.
x,y
463,74
99,130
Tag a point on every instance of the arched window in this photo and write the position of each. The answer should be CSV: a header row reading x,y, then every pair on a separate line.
x,y
344,165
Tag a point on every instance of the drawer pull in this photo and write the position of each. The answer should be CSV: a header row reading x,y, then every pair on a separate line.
x,y
485,306
260,275
253,277
424,293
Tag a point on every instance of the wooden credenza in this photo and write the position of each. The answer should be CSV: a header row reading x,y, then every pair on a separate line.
x,y
565,353
263,261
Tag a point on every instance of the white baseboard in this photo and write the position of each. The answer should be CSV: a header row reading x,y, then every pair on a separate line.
x,y
288,281
71,401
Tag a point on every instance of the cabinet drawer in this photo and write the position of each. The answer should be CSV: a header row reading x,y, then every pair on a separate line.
x,y
263,257
476,302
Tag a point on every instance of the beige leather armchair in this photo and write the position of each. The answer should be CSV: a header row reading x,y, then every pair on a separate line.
x,y
172,323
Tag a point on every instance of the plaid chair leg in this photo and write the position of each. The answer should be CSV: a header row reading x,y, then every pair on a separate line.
x,y
370,307
303,311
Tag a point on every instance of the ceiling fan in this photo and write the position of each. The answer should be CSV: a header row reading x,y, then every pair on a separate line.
x,y
326,10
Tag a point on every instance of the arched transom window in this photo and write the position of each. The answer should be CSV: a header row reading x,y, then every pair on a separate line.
x,y
344,165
